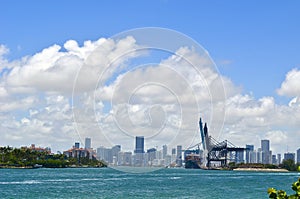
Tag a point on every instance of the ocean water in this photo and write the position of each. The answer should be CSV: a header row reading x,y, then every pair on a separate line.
x,y
164,183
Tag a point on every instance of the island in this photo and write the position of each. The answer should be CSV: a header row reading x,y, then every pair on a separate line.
x,y
28,158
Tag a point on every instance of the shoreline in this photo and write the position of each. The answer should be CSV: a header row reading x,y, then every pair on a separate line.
x,y
261,170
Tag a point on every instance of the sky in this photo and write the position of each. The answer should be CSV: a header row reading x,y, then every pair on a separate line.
x,y
253,48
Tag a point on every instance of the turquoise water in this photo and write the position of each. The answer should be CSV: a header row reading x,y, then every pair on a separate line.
x,y
166,183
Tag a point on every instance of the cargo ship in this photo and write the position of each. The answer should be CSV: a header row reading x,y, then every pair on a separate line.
x,y
193,161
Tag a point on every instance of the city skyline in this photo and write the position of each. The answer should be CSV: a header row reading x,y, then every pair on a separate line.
x,y
245,83
165,156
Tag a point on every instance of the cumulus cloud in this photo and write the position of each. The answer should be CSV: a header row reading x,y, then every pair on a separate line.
x,y
115,100
291,85
54,70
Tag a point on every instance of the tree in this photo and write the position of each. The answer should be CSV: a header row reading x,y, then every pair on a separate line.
x,y
289,165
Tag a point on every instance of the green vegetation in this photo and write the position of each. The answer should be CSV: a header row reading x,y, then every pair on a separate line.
x,y
27,158
233,165
273,193
289,165
286,164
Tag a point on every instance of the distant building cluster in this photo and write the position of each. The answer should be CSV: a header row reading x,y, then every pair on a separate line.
x,y
140,158
77,152
38,149
154,157
264,155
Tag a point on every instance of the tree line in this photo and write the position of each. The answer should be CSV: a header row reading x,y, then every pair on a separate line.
x,y
28,158
288,164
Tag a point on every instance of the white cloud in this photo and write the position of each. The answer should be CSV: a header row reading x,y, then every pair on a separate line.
x,y
291,85
18,104
3,62
162,101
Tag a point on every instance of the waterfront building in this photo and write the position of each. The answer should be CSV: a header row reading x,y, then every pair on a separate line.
x,y
274,160
139,153
139,144
40,149
77,145
124,158
164,152
151,155
139,159
259,156
87,143
239,156
249,150
179,156
265,145
289,156
278,158
115,150
252,155
168,160
109,155
159,155
104,154
298,155
265,151
76,152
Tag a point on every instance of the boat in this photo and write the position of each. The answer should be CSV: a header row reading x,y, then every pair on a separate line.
x,y
36,166
193,161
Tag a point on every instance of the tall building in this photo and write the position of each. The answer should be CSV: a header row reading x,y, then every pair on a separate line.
x,y
104,154
239,156
289,156
265,145
274,160
173,156
174,151
278,158
151,155
249,150
179,156
77,145
253,157
87,143
259,156
139,144
165,151
114,152
298,155
265,151
139,153
124,158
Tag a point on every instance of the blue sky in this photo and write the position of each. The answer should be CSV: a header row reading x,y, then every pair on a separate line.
x,y
253,43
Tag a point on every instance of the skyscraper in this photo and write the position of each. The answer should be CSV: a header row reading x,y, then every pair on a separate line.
x,y
115,150
179,156
289,156
139,144
265,145
298,155
278,158
165,151
249,150
139,151
265,151
87,143
274,160
77,145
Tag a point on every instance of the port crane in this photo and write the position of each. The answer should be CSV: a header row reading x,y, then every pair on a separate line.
x,y
215,151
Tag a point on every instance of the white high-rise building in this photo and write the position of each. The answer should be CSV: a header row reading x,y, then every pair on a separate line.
x,y
87,143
